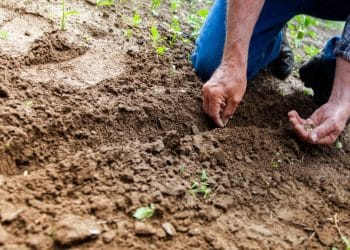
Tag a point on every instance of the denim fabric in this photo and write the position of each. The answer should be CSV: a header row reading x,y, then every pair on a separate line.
x,y
266,39
343,46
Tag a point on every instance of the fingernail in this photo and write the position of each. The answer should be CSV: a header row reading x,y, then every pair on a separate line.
x,y
314,137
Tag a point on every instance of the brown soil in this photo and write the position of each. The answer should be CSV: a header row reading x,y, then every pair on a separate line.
x,y
94,125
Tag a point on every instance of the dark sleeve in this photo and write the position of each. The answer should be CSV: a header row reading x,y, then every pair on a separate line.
x,y
343,46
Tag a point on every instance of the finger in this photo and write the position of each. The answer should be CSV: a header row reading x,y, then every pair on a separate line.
x,y
229,110
214,112
294,114
205,104
328,139
301,132
325,133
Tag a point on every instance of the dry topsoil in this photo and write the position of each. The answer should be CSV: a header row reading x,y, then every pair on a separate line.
x,y
94,124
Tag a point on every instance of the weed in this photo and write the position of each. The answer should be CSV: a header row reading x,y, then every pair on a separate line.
x,y
4,35
202,187
299,27
66,14
174,5
105,3
144,212
346,241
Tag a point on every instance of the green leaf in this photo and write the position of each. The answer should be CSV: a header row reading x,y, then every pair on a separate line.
x,y
4,34
70,13
144,212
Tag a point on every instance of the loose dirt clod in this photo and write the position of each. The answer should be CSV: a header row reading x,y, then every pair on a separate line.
x,y
144,229
71,229
3,235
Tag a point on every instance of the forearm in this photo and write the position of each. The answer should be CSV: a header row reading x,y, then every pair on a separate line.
x,y
341,86
242,16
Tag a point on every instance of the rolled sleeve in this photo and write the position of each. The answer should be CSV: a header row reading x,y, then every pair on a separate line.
x,y
343,46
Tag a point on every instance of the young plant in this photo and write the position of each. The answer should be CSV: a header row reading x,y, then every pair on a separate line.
x,y
136,19
66,14
201,188
196,21
157,39
105,3
175,29
4,34
155,4
143,213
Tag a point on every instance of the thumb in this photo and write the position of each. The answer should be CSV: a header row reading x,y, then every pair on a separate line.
x,y
321,131
229,110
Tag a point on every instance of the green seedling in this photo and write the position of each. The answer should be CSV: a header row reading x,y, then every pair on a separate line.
x,y
4,35
136,20
174,5
157,39
155,4
346,241
128,33
196,21
182,170
66,14
161,50
308,92
201,188
339,145
175,29
311,50
276,160
105,3
143,213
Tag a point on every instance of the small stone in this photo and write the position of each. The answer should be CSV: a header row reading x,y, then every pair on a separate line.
x,y
72,229
109,236
248,160
4,93
325,236
195,130
9,212
143,229
27,33
239,155
160,233
157,147
195,231
169,229
3,235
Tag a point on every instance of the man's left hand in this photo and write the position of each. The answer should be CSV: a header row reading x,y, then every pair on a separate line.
x,y
325,124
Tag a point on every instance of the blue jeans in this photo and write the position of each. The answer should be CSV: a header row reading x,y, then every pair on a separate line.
x,y
265,44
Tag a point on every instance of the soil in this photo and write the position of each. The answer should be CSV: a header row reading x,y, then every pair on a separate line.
x,y
94,124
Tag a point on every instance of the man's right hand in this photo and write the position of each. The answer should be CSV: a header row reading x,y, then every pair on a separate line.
x,y
223,93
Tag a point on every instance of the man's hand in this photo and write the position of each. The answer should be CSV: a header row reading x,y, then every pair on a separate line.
x,y
223,93
325,124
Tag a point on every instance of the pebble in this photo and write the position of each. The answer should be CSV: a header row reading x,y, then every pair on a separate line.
x,y
71,229
2,180
248,160
109,236
4,93
157,147
143,229
169,229
195,130
239,155
194,231
9,212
